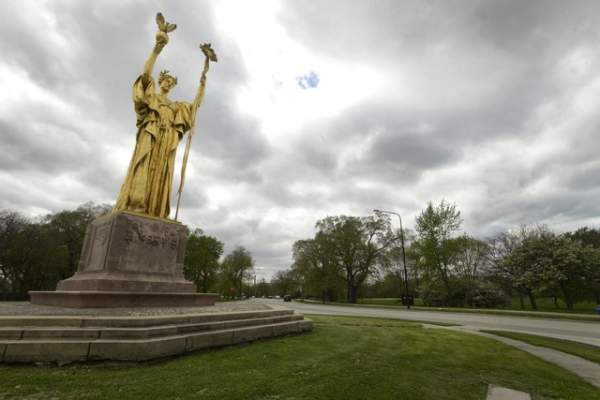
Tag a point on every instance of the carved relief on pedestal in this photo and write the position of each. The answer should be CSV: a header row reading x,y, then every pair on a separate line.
x,y
152,246
127,243
151,236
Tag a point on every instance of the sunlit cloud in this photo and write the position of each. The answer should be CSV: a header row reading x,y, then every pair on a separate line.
x,y
313,110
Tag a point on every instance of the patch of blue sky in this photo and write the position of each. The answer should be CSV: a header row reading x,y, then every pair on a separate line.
x,y
308,81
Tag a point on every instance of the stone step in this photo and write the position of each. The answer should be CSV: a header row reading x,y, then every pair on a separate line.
x,y
135,321
109,332
67,350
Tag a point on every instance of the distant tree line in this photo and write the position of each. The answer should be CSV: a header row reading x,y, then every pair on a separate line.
x,y
35,253
348,258
351,257
231,276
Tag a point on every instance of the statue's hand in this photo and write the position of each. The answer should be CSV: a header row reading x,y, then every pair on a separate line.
x,y
161,41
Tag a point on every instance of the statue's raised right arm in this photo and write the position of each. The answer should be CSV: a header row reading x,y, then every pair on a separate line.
x,y
161,41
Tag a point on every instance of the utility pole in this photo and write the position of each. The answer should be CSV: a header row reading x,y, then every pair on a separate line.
x,y
406,296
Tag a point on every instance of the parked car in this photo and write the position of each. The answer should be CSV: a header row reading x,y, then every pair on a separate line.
x,y
287,297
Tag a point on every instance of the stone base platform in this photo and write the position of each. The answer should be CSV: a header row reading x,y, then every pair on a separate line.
x,y
58,335
92,299
128,260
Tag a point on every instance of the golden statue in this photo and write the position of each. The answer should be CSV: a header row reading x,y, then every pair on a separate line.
x,y
161,124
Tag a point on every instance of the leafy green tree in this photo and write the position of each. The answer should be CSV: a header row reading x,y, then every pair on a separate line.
x,y
545,261
36,259
263,288
469,257
564,266
286,282
236,267
507,274
70,226
592,271
36,255
356,244
586,237
389,285
590,239
315,265
201,262
436,226
522,266
11,226
468,261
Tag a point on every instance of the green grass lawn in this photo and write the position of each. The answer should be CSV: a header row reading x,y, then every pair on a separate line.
x,y
547,304
582,350
343,358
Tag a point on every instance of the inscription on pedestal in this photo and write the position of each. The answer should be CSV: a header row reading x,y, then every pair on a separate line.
x,y
124,242
150,247
131,253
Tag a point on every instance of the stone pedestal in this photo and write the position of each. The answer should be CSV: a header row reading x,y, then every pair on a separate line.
x,y
128,260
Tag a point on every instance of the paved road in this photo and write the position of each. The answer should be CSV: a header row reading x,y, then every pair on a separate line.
x,y
585,332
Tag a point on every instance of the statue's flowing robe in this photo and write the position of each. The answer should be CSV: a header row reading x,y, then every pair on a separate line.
x,y
161,125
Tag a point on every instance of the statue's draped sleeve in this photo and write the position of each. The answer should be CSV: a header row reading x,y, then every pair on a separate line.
x,y
183,118
134,191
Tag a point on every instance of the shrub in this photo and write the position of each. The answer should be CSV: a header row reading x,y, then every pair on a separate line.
x,y
487,295
464,292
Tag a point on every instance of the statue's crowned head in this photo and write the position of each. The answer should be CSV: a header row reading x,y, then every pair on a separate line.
x,y
166,81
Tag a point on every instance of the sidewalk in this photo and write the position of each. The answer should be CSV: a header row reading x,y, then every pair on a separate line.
x,y
587,370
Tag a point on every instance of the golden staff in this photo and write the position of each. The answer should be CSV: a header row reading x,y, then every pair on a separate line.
x,y
209,55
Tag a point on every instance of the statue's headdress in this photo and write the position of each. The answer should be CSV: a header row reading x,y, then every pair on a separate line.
x,y
164,74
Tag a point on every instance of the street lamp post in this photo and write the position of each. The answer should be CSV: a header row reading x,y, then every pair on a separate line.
x,y
406,298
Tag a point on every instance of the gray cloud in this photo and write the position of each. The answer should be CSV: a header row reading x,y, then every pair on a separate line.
x,y
488,104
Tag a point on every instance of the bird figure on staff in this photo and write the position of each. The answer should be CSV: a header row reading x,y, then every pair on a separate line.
x,y
161,125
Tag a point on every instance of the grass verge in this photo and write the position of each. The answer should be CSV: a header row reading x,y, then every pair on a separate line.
x,y
342,358
547,304
351,320
587,351
544,304
528,314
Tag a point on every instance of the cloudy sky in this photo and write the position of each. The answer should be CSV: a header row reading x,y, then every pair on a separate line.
x,y
314,108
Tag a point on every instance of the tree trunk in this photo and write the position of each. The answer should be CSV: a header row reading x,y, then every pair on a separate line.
x,y
532,299
521,301
348,289
569,302
416,280
567,296
446,280
570,305
352,294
